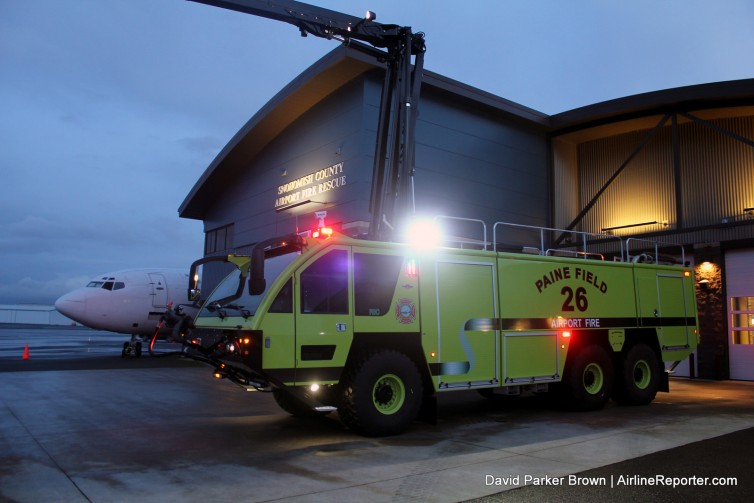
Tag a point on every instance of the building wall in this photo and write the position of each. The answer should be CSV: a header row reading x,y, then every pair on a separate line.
x,y
718,172
566,193
470,163
714,179
700,206
476,165
328,134
32,315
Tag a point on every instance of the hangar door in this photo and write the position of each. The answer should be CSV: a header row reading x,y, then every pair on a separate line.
x,y
739,279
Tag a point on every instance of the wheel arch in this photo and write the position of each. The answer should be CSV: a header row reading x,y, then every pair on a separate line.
x,y
406,343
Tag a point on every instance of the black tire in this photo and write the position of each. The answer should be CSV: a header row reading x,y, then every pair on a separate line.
x,y
382,394
589,379
638,378
292,405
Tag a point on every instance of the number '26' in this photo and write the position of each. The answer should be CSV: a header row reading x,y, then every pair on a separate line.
x,y
575,300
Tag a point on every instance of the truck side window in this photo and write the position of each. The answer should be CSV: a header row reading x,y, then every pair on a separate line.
x,y
374,280
324,285
283,302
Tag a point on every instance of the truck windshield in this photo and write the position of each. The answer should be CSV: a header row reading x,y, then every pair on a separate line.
x,y
245,305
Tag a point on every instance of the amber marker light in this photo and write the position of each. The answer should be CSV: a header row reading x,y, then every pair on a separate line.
x,y
322,233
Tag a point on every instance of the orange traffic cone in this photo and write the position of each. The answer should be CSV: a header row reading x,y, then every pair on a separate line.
x,y
26,353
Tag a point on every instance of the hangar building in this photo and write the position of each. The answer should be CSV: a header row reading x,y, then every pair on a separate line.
x,y
674,165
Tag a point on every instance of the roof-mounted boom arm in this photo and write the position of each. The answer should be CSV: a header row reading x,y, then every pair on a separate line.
x,y
392,188
317,21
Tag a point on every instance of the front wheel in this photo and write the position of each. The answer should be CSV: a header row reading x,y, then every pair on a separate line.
x,y
382,394
638,379
589,379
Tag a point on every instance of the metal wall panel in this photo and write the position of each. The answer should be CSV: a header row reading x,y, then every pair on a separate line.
x,y
716,180
643,192
566,193
718,172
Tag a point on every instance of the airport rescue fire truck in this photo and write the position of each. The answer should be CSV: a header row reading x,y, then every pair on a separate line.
x,y
376,330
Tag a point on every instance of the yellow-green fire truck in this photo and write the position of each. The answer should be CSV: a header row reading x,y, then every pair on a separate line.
x,y
376,330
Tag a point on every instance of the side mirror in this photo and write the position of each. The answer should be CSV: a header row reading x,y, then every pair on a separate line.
x,y
194,294
257,285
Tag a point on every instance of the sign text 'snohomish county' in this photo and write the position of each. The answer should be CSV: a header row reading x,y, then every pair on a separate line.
x,y
308,186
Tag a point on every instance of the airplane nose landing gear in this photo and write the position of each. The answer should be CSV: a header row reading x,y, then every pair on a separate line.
x,y
132,348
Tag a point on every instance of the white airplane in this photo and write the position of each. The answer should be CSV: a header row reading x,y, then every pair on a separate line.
x,y
132,301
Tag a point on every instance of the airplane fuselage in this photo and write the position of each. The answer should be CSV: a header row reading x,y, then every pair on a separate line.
x,y
130,301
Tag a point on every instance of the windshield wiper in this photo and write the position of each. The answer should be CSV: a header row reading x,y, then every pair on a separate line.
x,y
217,306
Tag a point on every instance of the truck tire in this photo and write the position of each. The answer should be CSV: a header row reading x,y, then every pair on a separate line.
x,y
589,379
638,378
382,394
292,405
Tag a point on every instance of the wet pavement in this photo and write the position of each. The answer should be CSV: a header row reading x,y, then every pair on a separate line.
x,y
108,429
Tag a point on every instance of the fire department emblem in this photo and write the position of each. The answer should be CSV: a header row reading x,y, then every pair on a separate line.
x,y
405,311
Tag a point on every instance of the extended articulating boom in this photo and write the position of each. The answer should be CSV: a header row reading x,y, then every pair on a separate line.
x,y
392,183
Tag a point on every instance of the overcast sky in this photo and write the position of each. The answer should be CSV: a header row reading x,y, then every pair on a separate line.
x,y
110,110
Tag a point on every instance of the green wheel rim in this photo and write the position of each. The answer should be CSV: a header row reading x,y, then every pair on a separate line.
x,y
388,394
642,374
593,378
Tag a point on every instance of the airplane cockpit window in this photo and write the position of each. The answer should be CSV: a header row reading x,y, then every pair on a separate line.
x,y
107,284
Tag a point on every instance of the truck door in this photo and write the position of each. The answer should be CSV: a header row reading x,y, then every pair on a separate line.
x,y
467,332
672,309
324,316
664,303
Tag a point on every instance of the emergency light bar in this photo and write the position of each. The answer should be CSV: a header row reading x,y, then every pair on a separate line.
x,y
322,233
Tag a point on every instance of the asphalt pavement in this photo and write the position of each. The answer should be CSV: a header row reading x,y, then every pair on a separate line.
x,y
78,423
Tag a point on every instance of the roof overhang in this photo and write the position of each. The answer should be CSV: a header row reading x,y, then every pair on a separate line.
x,y
642,111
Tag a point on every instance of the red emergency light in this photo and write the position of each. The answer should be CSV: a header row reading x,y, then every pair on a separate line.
x,y
411,270
322,233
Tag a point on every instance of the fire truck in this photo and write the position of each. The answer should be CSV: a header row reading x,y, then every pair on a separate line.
x,y
377,330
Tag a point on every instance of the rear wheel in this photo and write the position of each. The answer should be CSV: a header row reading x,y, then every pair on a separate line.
x,y
638,378
382,394
589,379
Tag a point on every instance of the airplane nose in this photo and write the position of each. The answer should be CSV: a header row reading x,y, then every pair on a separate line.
x,y
72,305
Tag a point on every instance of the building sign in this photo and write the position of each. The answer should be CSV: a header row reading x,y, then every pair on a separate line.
x,y
311,185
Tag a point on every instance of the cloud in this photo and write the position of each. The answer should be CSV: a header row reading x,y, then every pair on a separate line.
x,y
44,257
111,111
